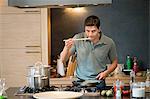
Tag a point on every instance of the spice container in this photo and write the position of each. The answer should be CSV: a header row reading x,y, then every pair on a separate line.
x,y
138,89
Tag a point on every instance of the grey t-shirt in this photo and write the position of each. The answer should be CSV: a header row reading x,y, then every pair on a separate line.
x,y
92,58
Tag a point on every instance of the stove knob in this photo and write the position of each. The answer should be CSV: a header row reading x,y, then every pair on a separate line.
x,y
93,89
36,91
30,90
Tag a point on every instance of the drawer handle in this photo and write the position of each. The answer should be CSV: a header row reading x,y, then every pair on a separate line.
x,y
33,52
32,46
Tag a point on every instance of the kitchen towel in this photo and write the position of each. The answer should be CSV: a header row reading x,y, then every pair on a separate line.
x,y
60,67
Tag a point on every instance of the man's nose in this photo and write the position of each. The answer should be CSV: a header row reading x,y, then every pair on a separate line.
x,y
90,33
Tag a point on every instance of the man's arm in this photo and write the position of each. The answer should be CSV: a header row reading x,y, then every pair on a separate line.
x,y
110,69
65,54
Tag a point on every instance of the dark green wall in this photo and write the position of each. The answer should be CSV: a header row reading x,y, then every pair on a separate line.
x,y
125,21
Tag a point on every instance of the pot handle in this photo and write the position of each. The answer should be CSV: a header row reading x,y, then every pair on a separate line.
x,y
38,63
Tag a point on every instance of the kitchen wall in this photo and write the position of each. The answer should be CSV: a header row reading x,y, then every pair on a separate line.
x,y
125,21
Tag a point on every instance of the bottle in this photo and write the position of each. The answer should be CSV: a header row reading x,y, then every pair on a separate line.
x,y
118,90
135,64
134,59
132,79
135,67
147,82
3,94
128,62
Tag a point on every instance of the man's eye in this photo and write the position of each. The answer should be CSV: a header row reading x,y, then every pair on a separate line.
x,y
93,31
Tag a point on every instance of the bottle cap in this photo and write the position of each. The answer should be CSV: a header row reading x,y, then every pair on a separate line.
x,y
135,63
128,56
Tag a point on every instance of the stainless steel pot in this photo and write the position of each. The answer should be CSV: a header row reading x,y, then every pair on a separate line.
x,y
30,81
45,70
44,81
38,77
37,81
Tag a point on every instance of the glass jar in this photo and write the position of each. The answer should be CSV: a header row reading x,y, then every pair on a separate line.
x,y
138,89
3,94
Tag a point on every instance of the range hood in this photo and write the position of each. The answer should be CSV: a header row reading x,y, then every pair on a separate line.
x,y
56,3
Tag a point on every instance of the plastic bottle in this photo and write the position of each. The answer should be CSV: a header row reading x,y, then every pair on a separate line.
x,y
118,90
128,62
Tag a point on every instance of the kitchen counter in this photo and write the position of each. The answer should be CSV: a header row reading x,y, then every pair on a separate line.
x,y
12,90
109,80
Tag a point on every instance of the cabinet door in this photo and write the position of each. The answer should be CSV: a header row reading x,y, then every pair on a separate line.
x,y
0,63
14,65
20,30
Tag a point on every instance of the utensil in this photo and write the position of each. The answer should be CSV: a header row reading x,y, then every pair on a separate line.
x,y
79,39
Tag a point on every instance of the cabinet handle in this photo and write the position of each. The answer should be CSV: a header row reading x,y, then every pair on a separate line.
x,y
33,52
28,11
32,46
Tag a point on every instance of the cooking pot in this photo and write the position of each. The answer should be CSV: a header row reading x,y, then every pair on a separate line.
x,y
36,69
45,70
37,81
38,76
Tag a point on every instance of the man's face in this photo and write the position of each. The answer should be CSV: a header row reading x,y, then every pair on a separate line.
x,y
92,32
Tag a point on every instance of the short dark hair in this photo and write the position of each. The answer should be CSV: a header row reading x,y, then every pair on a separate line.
x,y
92,21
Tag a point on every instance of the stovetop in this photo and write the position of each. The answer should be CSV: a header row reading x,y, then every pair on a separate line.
x,y
25,89
76,87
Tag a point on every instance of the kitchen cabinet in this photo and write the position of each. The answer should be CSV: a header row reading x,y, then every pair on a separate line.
x,y
20,42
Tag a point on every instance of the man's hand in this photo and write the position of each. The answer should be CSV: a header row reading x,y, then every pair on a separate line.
x,y
111,68
102,75
69,43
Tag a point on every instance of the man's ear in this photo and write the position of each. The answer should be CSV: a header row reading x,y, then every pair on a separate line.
x,y
99,30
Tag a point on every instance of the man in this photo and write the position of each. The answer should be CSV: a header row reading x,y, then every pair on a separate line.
x,y
92,54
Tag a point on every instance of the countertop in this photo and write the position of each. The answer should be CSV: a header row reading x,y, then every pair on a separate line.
x,y
12,90
109,80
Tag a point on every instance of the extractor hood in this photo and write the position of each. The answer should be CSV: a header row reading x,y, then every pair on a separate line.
x,y
56,3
